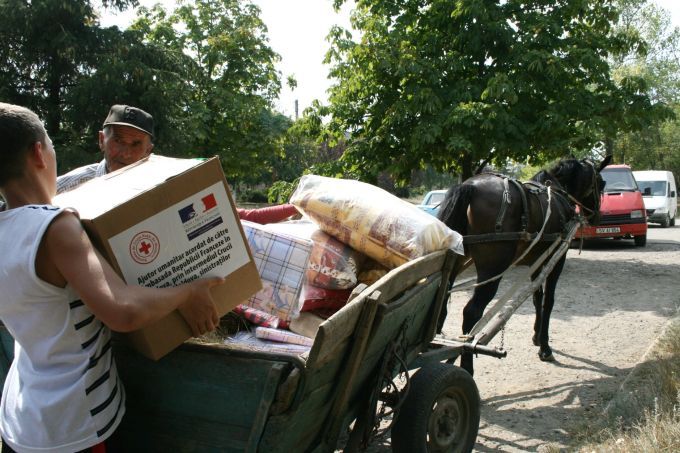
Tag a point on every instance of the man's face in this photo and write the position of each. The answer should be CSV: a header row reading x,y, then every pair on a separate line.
x,y
123,145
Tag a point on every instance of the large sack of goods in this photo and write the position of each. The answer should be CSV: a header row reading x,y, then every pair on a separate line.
x,y
373,221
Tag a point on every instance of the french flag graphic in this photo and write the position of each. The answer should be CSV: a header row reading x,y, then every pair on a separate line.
x,y
209,202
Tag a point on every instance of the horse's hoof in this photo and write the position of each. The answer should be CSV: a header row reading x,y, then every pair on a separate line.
x,y
546,356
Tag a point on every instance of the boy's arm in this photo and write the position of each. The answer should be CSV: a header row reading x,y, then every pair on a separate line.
x,y
67,256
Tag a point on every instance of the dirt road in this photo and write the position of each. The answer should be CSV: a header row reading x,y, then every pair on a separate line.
x,y
613,300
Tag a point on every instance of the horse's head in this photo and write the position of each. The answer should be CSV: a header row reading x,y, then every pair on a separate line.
x,y
583,182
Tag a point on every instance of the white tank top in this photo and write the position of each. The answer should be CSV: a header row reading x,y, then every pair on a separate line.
x,y
62,392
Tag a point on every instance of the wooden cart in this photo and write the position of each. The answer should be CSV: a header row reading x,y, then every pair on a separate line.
x,y
202,398
214,398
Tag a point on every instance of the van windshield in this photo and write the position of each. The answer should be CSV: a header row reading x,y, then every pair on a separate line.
x,y
618,180
657,188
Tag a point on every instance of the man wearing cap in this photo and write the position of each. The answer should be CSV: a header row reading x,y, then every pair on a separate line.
x,y
124,139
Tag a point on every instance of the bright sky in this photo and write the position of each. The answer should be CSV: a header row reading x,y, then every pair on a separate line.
x,y
297,32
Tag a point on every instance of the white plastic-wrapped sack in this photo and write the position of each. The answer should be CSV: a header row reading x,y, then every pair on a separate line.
x,y
369,219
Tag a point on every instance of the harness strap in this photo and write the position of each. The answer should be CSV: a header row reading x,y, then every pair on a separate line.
x,y
525,204
508,236
505,201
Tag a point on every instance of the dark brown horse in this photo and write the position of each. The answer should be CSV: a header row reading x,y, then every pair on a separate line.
x,y
492,212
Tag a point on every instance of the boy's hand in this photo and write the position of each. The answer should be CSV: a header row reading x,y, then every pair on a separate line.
x,y
199,310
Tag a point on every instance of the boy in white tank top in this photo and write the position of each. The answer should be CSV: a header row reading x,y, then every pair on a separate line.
x,y
58,299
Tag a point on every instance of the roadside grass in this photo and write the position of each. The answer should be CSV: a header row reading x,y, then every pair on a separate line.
x,y
644,416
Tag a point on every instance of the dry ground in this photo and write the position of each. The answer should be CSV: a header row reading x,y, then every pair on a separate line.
x,y
613,300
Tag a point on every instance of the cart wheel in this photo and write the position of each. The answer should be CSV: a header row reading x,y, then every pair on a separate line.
x,y
440,413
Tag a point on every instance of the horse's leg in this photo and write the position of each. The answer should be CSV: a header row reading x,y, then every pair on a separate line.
x,y
545,352
458,267
490,260
473,312
538,305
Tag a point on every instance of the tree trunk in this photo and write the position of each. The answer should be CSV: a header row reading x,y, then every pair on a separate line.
x,y
609,149
466,166
53,114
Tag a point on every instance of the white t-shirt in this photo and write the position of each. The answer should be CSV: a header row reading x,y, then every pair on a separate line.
x,y
62,392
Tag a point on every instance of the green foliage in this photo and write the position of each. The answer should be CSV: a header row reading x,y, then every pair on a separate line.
x,y
460,84
205,71
254,196
231,81
655,145
280,191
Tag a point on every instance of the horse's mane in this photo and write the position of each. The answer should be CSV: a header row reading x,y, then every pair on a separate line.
x,y
557,173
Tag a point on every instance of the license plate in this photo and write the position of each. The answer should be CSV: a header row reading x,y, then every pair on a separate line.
x,y
605,230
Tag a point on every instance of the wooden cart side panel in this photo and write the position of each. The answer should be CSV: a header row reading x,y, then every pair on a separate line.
x,y
300,431
206,401
335,333
341,326
411,313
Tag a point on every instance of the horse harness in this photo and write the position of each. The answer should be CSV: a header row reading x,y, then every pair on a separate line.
x,y
533,188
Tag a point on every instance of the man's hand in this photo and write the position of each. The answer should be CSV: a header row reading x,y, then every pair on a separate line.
x,y
199,310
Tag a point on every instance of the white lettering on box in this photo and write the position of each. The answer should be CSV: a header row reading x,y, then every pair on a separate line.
x,y
186,241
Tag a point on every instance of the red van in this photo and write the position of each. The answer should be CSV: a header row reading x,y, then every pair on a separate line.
x,y
622,208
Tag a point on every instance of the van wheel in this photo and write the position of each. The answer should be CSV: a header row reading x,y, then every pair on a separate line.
x,y
640,241
666,221
673,221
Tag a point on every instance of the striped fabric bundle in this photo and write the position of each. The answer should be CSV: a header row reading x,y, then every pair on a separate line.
x,y
332,264
282,336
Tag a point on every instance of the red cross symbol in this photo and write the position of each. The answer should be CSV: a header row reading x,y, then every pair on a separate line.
x,y
145,247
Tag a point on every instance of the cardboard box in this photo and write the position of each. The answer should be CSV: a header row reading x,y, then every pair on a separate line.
x,y
163,222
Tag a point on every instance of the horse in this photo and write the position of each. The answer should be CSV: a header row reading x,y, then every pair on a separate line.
x,y
499,218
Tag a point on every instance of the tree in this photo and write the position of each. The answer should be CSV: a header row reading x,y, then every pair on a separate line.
x,y
459,84
59,62
47,48
204,71
231,81
656,145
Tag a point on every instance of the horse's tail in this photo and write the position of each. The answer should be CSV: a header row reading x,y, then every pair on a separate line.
x,y
453,210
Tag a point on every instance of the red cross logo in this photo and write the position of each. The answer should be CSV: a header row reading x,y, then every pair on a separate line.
x,y
145,247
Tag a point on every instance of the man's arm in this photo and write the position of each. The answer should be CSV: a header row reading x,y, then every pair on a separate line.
x,y
80,175
67,256
270,214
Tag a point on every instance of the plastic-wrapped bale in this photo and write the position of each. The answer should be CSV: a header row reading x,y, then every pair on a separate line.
x,y
281,261
373,221
332,264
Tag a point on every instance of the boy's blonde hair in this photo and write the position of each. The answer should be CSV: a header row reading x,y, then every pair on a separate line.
x,y
20,128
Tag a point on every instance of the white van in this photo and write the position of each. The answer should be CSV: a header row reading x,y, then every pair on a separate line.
x,y
659,194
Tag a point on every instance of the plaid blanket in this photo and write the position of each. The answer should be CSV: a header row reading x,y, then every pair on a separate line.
x,y
281,261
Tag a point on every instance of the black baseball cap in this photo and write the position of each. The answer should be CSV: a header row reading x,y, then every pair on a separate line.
x,y
126,115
